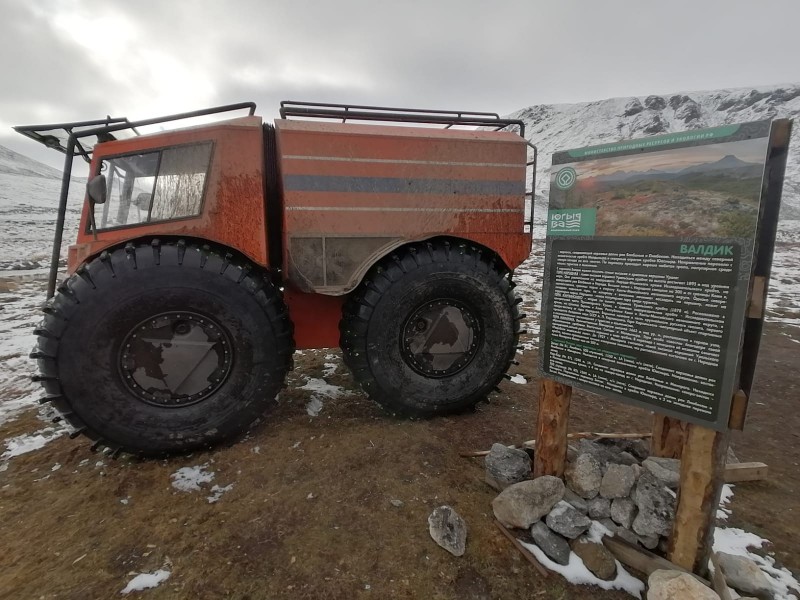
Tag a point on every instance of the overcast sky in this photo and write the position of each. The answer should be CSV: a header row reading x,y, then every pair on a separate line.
x,y
83,59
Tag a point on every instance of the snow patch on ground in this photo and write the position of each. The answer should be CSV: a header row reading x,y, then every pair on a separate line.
x,y
145,581
314,406
320,386
188,479
330,369
596,532
217,491
19,314
723,512
576,573
738,541
320,389
519,379
25,443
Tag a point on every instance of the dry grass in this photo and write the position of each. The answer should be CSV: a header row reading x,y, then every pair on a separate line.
x,y
65,533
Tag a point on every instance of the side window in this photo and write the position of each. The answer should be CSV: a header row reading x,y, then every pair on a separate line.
x,y
130,180
155,186
180,183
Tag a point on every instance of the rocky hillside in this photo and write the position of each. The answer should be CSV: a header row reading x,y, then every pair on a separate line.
x,y
553,127
19,164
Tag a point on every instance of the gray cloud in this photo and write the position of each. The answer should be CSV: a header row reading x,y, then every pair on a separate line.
x,y
88,58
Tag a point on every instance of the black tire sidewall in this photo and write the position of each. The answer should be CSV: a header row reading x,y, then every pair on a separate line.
x,y
406,390
90,348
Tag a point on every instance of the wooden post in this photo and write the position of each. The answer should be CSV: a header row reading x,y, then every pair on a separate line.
x,y
702,470
551,428
668,436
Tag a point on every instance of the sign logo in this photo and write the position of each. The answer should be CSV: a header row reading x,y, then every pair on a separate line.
x,y
566,178
571,221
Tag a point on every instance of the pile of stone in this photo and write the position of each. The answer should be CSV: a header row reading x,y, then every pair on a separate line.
x,y
615,484
632,499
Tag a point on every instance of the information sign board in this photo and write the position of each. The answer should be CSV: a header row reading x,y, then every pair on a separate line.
x,y
649,258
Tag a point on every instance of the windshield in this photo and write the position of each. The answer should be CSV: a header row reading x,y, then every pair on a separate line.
x,y
154,186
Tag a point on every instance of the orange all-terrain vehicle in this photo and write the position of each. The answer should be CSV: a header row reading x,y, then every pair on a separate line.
x,y
206,255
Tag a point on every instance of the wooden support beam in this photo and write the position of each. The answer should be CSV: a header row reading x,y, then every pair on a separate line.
x,y
668,436
551,428
752,471
642,560
702,468
738,410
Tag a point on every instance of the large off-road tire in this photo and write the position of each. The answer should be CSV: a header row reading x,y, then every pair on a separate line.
x,y
164,347
432,329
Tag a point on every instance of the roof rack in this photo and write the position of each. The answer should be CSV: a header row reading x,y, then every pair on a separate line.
x,y
53,135
101,130
358,112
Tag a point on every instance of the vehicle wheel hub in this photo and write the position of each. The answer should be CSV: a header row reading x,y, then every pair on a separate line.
x,y
175,359
440,338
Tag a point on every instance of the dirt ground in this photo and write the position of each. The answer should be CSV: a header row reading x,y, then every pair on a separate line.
x,y
309,514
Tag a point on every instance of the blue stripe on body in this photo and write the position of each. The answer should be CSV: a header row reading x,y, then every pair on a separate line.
x,y
397,185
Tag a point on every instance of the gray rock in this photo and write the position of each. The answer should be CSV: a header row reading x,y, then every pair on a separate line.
x,y
648,541
618,481
553,545
505,466
567,521
522,504
599,508
639,448
626,458
655,125
637,471
668,470
576,501
633,107
595,557
623,511
677,100
584,476
609,524
604,453
665,584
627,535
743,575
572,453
656,504
448,529
396,503
655,103
689,111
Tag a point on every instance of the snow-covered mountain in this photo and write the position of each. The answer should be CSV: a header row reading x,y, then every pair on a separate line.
x,y
19,164
554,127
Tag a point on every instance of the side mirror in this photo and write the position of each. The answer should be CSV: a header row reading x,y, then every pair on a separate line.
x,y
96,188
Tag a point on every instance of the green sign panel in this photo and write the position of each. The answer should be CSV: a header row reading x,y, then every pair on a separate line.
x,y
648,259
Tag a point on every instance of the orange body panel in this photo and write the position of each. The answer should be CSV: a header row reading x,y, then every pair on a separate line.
x,y
233,207
384,186
315,318
360,191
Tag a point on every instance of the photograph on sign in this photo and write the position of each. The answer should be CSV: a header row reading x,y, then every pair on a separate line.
x,y
648,261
